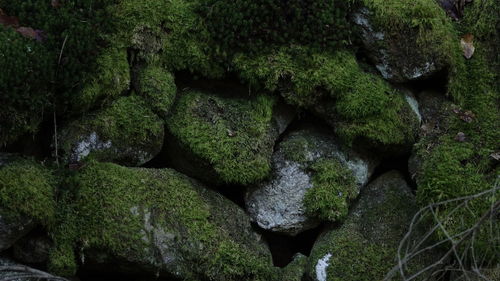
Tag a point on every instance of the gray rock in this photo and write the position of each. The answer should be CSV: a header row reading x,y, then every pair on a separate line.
x,y
277,204
396,60
33,248
366,244
13,228
127,132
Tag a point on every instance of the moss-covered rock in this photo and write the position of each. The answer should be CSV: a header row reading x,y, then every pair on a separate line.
x,y
110,78
27,199
406,41
158,221
313,179
229,136
157,86
364,247
360,106
295,270
126,132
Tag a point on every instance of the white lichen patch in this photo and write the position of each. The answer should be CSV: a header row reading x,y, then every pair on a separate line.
x,y
88,144
414,106
277,205
418,72
321,267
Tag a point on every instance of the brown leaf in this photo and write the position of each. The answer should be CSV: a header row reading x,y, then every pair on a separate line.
x,y
56,3
460,137
27,32
467,45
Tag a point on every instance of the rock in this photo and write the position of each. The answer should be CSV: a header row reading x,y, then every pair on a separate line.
x,y
397,60
295,270
127,132
157,223
225,137
364,247
26,199
278,203
33,248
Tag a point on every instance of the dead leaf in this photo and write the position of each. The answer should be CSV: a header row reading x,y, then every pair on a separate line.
x,y
27,32
467,45
56,3
460,137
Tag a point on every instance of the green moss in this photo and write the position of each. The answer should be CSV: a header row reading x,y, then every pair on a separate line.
x,y
188,45
113,208
453,169
366,106
28,189
110,78
354,258
251,26
158,88
333,188
435,32
24,87
233,134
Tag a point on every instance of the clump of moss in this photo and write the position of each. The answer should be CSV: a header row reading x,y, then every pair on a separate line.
x,y
361,105
158,88
251,26
233,134
114,209
28,189
23,90
188,45
109,79
333,188
435,33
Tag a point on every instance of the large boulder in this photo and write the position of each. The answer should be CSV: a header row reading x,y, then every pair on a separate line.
x,y
27,198
401,50
127,132
226,137
313,179
365,246
155,222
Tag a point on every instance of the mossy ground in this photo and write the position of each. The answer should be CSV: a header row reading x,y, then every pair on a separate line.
x,y
452,168
233,134
99,213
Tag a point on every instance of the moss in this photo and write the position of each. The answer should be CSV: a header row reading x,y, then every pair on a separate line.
x,y
113,208
436,36
295,270
109,79
333,188
365,105
158,88
364,247
188,45
233,134
23,90
130,133
28,189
